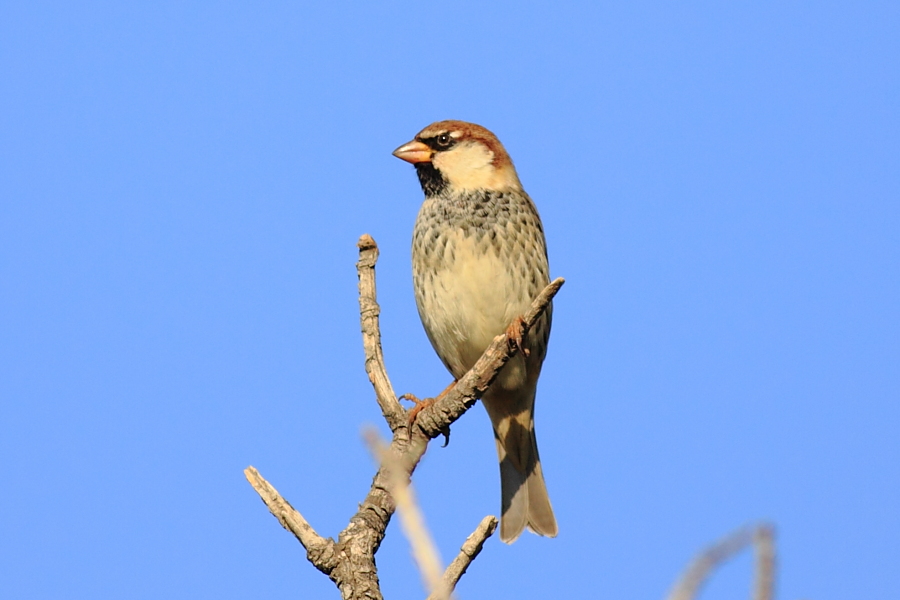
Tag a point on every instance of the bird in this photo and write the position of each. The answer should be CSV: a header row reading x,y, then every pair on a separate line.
x,y
479,259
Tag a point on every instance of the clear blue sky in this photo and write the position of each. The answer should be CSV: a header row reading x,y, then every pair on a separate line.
x,y
181,190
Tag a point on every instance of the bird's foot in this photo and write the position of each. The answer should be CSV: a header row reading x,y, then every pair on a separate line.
x,y
420,405
515,334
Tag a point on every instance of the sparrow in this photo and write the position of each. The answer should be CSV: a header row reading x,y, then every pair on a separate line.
x,y
479,259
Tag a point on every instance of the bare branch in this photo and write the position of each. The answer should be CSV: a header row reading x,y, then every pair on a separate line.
x,y
699,571
434,419
350,561
470,549
319,550
368,316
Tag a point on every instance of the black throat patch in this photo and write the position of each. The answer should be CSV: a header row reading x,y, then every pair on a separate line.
x,y
431,180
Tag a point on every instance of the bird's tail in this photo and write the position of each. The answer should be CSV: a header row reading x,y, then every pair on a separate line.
x,y
524,498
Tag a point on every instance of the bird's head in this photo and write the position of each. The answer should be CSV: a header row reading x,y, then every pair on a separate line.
x,y
459,156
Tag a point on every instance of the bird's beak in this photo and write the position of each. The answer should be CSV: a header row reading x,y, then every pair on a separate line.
x,y
414,152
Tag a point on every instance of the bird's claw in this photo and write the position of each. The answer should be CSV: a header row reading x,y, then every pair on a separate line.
x,y
515,334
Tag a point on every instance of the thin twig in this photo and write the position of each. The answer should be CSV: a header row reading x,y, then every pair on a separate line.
x,y
319,550
470,549
434,419
369,312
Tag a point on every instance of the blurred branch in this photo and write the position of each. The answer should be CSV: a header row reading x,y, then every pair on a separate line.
x,y
350,561
411,519
764,541
688,586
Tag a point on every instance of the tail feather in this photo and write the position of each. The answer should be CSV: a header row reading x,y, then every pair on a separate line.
x,y
540,514
524,503
524,498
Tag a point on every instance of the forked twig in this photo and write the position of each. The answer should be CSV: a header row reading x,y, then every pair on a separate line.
x,y
350,561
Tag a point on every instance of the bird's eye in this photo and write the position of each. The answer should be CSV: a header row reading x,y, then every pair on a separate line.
x,y
444,141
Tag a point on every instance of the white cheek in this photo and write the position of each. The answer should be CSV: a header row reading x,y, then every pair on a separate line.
x,y
468,166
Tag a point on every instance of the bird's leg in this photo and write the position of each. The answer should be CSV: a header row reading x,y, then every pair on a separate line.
x,y
446,390
515,333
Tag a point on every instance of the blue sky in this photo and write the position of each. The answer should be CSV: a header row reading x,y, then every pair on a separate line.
x,y
181,190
